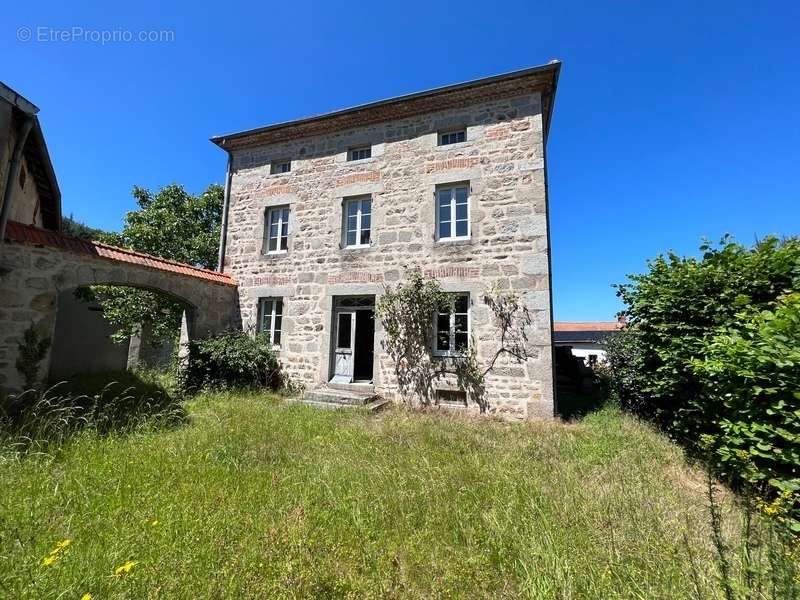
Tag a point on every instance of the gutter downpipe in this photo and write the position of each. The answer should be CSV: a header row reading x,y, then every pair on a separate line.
x,y
13,174
225,206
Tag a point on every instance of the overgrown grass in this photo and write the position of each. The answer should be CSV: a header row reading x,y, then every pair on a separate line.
x,y
256,499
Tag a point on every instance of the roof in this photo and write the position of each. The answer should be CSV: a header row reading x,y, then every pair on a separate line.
x,y
587,325
28,234
37,158
543,78
584,332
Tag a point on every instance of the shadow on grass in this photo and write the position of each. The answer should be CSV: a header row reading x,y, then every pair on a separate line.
x,y
572,404
108,403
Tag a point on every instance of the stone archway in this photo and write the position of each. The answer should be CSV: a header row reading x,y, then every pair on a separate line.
x,y
36,265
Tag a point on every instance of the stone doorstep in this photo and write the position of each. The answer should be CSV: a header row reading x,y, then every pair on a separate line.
x,y
343,396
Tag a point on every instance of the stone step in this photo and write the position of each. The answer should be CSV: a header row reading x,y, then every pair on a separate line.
x,y
375,405
358,388
337,396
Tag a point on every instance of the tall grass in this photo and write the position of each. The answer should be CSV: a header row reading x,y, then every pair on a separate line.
x,y
105,403
256,499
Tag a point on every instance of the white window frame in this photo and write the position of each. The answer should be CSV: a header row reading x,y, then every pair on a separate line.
x,y
268,228
442,134
276,167
359,214
351,153
262,312
452,189
452,328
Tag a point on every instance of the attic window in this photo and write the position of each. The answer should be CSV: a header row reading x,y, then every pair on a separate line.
x,y
452,137
280,166
360,153
23,175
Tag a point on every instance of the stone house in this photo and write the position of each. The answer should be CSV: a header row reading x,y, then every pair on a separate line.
x,y
322,213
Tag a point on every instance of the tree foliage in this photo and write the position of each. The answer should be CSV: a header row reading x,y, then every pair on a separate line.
x,y
710,355
173,224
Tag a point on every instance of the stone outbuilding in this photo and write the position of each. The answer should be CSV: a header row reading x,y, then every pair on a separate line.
x,y
38,262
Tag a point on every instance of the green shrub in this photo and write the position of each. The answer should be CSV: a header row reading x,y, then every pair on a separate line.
x,y
710,354
752,377
233,359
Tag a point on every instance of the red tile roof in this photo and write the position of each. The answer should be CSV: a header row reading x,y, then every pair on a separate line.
x,y
28,234
588,326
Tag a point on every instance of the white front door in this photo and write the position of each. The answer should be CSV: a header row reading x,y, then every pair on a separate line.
x,y
345,343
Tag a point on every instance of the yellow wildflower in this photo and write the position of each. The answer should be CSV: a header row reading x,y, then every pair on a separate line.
x,y
125,568
56,552
154,523
86,597
49,560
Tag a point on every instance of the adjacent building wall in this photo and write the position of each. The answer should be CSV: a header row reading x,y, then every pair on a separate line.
x,y
503,161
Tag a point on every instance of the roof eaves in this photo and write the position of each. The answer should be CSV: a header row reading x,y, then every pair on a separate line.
x,y
553,66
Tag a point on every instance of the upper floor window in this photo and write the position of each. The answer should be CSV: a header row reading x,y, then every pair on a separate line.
x,y
451,328
271,319
357,222
280,166
277,230
452,137
452,212
359,153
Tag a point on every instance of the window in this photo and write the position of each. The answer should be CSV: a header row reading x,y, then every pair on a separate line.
x,y
451,329
359,153
277,230
458,397
270,320
452,137
280,166
357,222
452,212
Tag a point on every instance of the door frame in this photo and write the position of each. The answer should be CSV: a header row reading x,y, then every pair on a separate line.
x,y
361,302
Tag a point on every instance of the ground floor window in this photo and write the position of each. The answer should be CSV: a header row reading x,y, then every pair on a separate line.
x,y
451,328
270,319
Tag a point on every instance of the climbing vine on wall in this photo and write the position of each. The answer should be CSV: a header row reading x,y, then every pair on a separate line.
x,y
406,312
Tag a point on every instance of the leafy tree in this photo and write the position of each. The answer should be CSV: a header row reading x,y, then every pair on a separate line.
x,y
74,228
170,223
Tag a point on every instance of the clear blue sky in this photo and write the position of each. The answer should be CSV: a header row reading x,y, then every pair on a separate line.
x,y
673,121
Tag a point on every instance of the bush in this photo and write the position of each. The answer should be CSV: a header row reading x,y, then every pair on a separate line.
x,y
234,359
711,356
752,377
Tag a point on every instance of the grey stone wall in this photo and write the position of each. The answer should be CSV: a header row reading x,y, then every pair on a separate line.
x,y
31,278
503,161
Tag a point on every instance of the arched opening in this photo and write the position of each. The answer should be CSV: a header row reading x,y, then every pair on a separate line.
x,y
97,330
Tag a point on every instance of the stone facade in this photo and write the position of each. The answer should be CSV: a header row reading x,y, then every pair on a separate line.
x,y
503,163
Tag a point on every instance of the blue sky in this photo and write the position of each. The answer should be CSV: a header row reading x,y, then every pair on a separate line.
x,y
673,121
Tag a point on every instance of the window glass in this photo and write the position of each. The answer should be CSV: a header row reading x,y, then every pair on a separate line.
x,y
281,166
343,334
452,212
357,222
452,328
278,229
272,319
359,153
452,137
